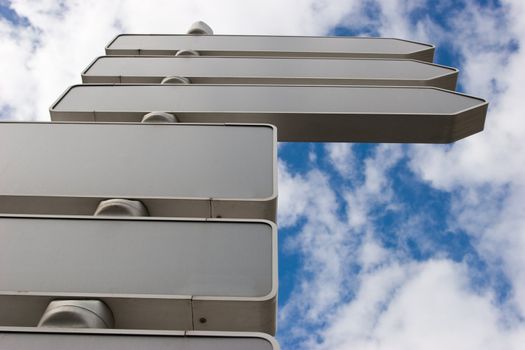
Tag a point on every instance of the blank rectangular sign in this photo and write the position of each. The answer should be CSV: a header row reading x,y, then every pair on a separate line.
x,y
49,339
152,273
261,45
174,169
300,112
269,70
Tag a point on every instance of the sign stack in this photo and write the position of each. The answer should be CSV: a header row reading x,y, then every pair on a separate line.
x,y
144,215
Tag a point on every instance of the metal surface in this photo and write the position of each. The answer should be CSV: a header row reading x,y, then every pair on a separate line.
x,y
15,338
173,169
265,70
151,273
77,314
301,113
260,45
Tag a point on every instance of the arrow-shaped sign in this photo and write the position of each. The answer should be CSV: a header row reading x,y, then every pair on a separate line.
x,y
260,45
301,113
151,273
267,70
174,170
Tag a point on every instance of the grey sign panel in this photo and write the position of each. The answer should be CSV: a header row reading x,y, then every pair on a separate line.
x,y
174,169
151,273
17,338
259,45
300,112
267,70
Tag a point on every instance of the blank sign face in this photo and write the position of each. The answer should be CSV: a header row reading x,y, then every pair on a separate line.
x,y
176,170
145,270
301,113
228,259
66,341
254,70
259,45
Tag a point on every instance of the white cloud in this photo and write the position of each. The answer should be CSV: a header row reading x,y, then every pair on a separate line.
x,y
371,254
323,238
375,188
332,247
47,57
487,171
295,195
341,157
425,305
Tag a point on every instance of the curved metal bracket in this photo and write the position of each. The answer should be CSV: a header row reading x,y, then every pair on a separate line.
x,y
159,117
175,80
200,28
77,314
121,207
187,53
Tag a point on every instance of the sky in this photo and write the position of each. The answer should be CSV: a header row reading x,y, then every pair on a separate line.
x,y
381,246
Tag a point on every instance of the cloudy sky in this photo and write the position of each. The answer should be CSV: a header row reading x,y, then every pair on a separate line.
x,y
381,246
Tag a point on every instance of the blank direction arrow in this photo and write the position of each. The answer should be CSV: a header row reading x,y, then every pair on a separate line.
x,y
100,339
151,273
266,70
175,170
301,113
259,45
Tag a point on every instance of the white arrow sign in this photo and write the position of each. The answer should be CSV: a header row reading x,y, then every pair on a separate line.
x,y
268,70
260,45
174,169
151,273
301,113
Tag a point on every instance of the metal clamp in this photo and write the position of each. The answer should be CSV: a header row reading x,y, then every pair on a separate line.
x,y
159,117
121,207
200,28
77,314
187,53
173,79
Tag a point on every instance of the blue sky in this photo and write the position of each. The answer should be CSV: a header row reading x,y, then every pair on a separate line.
x,y
380,246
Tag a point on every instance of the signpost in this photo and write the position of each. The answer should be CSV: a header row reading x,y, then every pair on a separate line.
x,y
269,70
176,274
178,170
137,253
301,113
64,339
260,45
